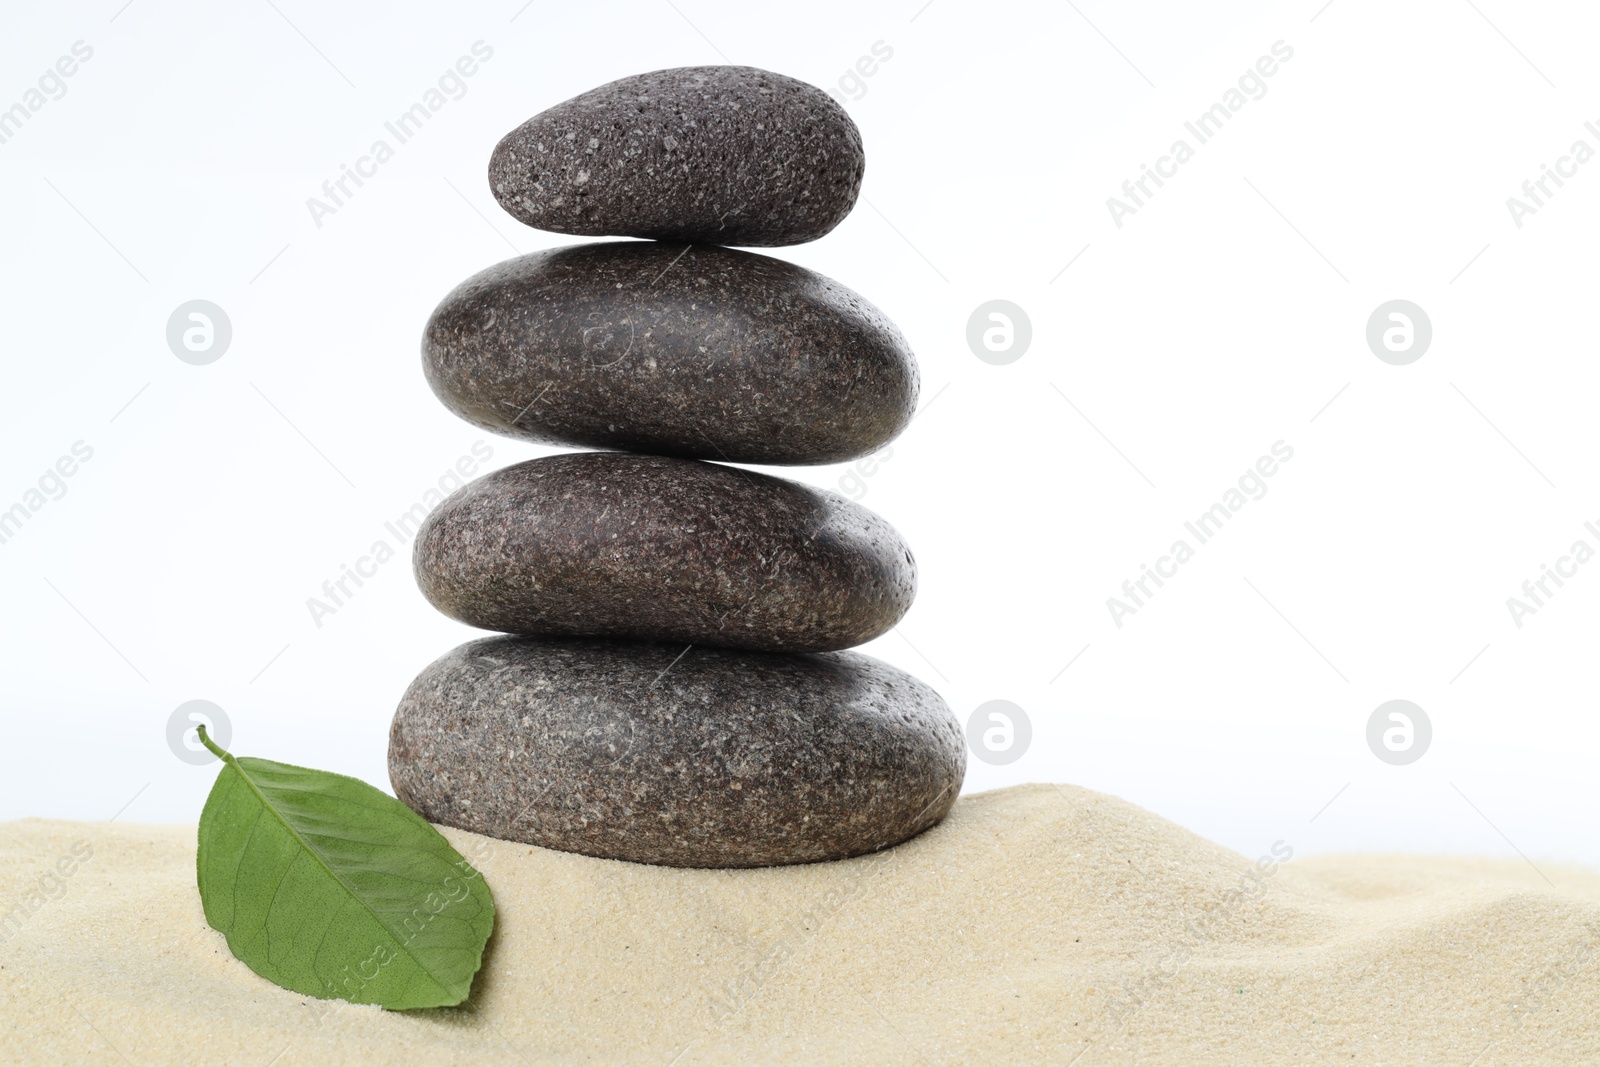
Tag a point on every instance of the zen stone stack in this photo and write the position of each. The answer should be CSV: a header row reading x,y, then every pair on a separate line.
x,y
671,685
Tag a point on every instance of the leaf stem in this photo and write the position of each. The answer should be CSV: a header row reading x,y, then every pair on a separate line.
x,y
216,749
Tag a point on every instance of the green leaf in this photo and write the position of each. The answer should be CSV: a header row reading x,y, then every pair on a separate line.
x,y
330,888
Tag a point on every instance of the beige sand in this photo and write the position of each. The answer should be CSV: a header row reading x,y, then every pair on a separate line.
x,y
1036,925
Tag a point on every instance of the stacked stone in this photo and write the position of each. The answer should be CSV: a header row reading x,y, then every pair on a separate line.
x,y
672,687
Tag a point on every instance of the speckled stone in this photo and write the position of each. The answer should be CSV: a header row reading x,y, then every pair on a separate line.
x,y
678,350
697,758
720,155
608,544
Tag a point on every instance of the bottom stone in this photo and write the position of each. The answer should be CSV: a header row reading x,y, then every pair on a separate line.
x,y
690,757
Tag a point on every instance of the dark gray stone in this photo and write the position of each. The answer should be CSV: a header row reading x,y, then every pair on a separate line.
x,y
680,350
609,544
698,758
721,155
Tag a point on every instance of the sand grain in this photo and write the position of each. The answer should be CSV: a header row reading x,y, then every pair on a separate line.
x,y
1037,924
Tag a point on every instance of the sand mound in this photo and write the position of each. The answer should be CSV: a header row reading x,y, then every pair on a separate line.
x,y
1037,924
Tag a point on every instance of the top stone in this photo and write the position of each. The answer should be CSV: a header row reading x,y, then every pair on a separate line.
x,y
713,155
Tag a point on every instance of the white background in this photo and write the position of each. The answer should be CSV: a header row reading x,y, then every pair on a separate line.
x,y
1222,317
